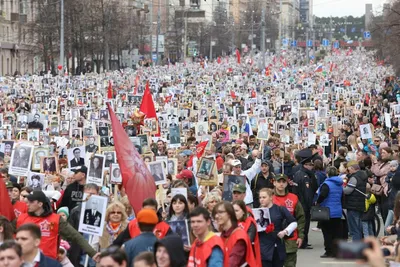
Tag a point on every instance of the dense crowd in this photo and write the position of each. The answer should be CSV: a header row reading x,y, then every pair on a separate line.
x,y
238,161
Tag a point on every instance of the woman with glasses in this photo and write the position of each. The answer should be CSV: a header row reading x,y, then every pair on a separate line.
x,y
238,249
116,222
113,257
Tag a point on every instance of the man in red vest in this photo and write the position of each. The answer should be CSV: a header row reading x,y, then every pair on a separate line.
x,y
14,190
207,249
282,197
51,226
160,231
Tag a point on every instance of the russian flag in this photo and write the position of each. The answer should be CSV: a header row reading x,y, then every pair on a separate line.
x,y
247,127
276,76
318,68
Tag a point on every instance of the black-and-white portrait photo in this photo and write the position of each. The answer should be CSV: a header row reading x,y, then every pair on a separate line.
x,y
37,154
181,228
115,177
174,136
36,180
172,166
49,164
92,215
157,171
96,170
76,157
262,218
91,144
21,158
110,158
205,168
103,131
33,135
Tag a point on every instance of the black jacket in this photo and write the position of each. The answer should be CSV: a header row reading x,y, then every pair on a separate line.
x,y
305,186
174,246
258,183
356,200
73,194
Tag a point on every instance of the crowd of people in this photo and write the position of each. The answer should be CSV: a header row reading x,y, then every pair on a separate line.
x,y
241,159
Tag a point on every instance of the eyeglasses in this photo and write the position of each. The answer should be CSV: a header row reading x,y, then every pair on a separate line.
x,y
116,212
376,141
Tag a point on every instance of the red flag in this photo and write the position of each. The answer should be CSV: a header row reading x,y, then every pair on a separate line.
x,y
219,60
238,56
233,95
6,208
331,67
136,85
136,178
147,105
200,148
267,71
110,91
167,99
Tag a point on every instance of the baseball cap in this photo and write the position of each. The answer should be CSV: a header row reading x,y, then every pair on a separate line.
x,y
236,162
82,169
241,188
147,216
37,195
184,174
280,177
266,162
9,184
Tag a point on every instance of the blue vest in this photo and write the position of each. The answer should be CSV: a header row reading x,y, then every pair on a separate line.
x,y
334,199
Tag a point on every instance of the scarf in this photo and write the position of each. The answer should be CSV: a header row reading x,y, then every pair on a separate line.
x,y
113,229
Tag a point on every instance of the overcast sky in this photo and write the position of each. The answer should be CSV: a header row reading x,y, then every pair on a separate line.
x,y
340,8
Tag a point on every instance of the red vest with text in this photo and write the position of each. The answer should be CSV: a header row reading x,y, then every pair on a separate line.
x,y
290,202
160,231
20,208
201,251
256,246
49,228
230,242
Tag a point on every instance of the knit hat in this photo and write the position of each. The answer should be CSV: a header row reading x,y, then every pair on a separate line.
x,y
64,245
64,210
394,163
147,216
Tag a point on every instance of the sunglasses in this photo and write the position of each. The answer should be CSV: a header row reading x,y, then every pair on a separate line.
x,y
116,212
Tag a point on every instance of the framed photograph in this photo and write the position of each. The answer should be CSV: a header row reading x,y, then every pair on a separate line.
x,y
33,135
157,170
88,131
21,160
96,170
38,153
92,215
365,131
262,218
92,144
201,129
3,134
110,158
76,157
179,191
115,174
49,165
181,229
147,158
64,129
104,141
8,147
144,143
76,133
263,132
172,166
234,131
205,168
229,182
174,136
36,180
103,131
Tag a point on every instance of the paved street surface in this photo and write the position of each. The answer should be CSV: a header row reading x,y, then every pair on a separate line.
x,y
311,257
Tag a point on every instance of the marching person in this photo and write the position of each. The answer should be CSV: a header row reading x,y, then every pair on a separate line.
x,y
238,249
290,201
39,213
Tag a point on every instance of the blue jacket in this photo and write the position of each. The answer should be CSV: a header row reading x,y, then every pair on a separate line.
x,y
334,199
48,262
142,243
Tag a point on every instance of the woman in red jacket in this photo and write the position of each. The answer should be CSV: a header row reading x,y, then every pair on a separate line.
x,y
249,225
238,249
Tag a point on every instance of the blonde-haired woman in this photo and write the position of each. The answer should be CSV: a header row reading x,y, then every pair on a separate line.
x,y
209,202
116,222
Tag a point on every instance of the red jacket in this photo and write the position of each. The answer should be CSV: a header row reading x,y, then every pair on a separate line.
x,y
49,228
236,235
201,251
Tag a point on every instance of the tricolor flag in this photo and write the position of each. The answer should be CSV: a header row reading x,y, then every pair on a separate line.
x,y
276,76
247,127
318,68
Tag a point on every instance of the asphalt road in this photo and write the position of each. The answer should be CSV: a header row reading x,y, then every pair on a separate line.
x,y
311,257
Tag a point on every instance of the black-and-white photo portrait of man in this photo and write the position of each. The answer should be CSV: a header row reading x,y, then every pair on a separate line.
x,y
92,214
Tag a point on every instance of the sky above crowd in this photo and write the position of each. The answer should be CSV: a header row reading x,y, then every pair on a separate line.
x,y
341,8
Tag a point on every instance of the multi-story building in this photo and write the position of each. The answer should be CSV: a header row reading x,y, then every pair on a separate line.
x,y
290,17
368,15
16,39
